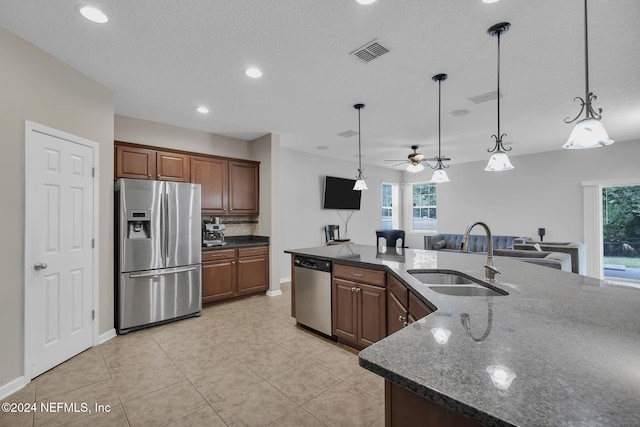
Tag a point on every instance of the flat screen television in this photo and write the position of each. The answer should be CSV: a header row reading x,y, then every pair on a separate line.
x,y
339,194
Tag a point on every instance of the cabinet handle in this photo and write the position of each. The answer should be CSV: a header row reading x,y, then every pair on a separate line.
x,y
357,290
353,289
356,274
402,319
406,324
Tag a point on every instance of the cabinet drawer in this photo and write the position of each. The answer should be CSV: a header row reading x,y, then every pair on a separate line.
x,y
398,290
253,251
218,254
357,274
417,308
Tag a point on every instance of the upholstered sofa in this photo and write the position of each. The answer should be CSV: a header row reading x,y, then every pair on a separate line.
x,y
557,260
575,249
476,243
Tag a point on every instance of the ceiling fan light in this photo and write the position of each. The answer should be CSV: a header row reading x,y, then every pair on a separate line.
x,y
499,161
360,185
415,167
588,133
439,176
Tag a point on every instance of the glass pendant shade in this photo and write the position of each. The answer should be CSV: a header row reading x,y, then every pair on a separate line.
x,y
439,176
588,133
499,161
415,168
360,185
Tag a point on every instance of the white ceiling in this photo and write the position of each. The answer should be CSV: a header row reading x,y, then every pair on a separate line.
x,y
162,58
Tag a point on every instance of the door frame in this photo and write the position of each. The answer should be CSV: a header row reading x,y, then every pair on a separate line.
x,y
29,129
593,227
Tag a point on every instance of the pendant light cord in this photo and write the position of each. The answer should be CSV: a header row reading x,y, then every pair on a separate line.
x,y
359,145
498,94
586,56
439,118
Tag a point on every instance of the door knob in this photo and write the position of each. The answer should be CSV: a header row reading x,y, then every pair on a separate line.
x,y
39,266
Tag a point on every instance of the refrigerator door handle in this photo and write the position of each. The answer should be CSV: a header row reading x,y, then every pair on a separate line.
x,y
160,273
165,215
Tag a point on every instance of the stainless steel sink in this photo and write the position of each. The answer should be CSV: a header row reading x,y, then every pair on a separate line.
x,y
442,279
457,285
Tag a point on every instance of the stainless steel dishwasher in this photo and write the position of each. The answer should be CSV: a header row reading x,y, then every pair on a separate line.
x,y
313,293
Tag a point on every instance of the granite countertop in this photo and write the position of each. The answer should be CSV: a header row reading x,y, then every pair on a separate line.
x,y
240,241
573,342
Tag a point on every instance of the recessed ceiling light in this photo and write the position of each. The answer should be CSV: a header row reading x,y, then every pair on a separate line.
x,y
93,14
366,2
202,110
458,113
254,73
490,1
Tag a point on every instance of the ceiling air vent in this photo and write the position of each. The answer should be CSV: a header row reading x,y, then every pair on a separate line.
x,y
485,97
369,51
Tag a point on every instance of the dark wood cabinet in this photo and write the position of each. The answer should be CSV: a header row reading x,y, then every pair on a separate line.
x,y
211,174
418,309
253,269
173,166
227,273
218,275
244,192
397,315
359,305
403,306
134,162
228,186
404,408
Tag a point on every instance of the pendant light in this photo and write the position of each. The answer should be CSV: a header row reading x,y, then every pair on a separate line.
x,y
589,132
360,184
440,175
499,161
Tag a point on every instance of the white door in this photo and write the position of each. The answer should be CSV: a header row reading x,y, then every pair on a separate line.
x,y
59,227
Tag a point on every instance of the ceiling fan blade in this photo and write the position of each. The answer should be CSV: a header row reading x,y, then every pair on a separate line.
x,y
397,160
398,164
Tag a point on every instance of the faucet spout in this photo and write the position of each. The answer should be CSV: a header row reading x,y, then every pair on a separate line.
x,y
490,270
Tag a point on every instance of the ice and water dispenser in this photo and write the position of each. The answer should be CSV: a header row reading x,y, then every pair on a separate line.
x,y
138,224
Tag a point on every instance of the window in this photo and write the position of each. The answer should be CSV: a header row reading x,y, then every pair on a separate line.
x,y
390,215
424,207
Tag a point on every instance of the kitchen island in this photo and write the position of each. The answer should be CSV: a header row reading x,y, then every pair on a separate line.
x,y
571,341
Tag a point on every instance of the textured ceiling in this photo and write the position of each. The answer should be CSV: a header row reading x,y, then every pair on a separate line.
x,y
162,58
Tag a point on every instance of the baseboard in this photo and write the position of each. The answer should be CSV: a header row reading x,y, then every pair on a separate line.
x,y
13,386
274,293
285,280
103,338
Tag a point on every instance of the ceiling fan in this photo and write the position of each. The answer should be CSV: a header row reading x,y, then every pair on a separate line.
x,y
415,160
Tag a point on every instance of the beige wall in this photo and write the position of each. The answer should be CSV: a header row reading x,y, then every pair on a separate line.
x,y
37,87
139,131
267,151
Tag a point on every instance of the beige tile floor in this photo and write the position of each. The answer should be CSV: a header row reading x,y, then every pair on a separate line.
x,y
242,363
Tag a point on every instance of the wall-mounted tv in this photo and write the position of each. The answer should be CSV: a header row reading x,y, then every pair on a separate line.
x,y
339,194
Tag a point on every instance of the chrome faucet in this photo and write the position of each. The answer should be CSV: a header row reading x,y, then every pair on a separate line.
x,y
489,270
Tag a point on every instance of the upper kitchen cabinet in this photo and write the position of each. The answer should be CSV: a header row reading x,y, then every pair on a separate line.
x,y
134,162
212,175
244,188
173,166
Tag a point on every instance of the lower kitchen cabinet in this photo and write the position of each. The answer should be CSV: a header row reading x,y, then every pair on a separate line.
x,y
227,273
403,306
359,309
218,275
253,269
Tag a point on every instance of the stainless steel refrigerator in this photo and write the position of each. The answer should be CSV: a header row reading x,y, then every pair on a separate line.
x,y
158,252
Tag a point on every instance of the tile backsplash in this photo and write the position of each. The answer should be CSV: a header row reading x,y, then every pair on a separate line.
x,y
236,225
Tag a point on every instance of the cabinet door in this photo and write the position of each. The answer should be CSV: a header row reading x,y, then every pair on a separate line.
x,y
344,311
396,314
211,174
132,162
253,274
218,280
372,314
173,166
417,308
243,188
